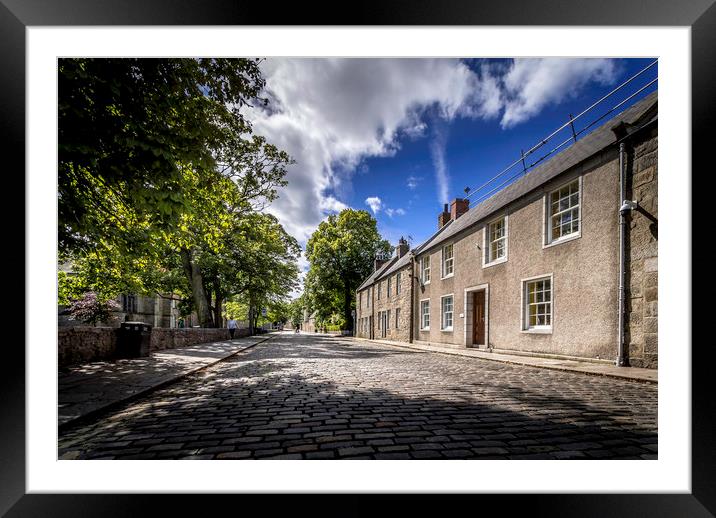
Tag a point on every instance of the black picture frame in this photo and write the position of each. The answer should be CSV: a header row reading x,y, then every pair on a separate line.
x,y
17,15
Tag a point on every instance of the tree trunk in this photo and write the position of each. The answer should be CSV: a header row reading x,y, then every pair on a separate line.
x,y
193,274
217,310
347,308
218,299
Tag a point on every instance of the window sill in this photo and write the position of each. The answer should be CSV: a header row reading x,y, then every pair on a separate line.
x,y
447,276
424,329
495,262
447,330
567,239
538,331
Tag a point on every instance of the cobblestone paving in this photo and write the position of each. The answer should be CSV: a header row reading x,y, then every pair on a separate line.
x,y
317,397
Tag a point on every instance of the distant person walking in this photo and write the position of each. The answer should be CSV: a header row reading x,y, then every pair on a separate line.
x,y
232,325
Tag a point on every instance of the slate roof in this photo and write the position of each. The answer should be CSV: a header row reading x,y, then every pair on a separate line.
x,y
374,276
598,139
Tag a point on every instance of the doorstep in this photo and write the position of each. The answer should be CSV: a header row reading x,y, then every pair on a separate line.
x,y
562,364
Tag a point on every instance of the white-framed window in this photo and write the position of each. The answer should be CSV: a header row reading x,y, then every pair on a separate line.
x,y
425,314
495,242
380,289
425,269
446,312
397,317
397,283
537,304
564,212
368,297
389,286
448,261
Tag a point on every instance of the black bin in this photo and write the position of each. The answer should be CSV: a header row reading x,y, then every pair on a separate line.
x,y
134,339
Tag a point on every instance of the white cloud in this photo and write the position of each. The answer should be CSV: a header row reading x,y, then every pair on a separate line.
x,y
303,266
437,152
374,203
413,181
395,212
331,204
531,84
331,114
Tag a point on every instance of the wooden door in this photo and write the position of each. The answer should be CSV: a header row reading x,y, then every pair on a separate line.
x,y
478,318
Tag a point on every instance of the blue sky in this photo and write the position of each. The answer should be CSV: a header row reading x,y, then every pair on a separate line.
x,y
399,137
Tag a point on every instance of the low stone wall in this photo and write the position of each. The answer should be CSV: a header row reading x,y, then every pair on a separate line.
x,y
165,338
81,344
84,344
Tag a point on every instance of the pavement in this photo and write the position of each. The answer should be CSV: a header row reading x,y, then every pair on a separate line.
x,y
601,368
312,396
90,388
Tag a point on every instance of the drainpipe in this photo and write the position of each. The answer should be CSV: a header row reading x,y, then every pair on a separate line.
x,y
371,335
626,207
412,298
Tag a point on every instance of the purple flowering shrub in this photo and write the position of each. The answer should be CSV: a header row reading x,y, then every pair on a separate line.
x,y
90,309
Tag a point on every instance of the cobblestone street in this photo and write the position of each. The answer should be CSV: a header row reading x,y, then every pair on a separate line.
x,y
318,397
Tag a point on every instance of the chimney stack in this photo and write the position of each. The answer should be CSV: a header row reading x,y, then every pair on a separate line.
x,y
378,263
402,247
443,217
458,207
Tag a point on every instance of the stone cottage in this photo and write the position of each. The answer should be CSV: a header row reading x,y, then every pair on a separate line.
x,y
562,262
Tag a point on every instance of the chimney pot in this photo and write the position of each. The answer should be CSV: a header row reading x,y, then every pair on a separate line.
x,y
458,207
402,248
378,263
443,217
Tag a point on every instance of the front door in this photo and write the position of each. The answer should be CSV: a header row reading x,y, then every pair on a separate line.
x,y
478,318
383,324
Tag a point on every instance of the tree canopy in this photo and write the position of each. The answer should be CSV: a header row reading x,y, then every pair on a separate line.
x,y
162,183
341,253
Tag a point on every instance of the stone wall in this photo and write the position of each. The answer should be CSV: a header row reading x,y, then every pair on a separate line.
x,y
83,344
391,303
583,271
364,312
642,254
165,338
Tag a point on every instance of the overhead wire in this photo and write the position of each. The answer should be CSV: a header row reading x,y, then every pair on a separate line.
x,y
573,137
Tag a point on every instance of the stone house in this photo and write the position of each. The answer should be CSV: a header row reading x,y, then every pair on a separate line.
x,y
157,311
383,302
538,267
309,321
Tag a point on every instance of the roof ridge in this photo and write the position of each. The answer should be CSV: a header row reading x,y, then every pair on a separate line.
x,y
637,109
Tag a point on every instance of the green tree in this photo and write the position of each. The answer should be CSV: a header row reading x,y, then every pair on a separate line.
x,y
128,127
295,311
256,269
341,254
157,170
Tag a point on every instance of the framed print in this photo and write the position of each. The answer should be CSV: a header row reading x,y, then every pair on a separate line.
x,y
628,454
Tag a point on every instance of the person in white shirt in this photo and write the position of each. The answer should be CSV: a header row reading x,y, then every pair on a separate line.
x,y
232,325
